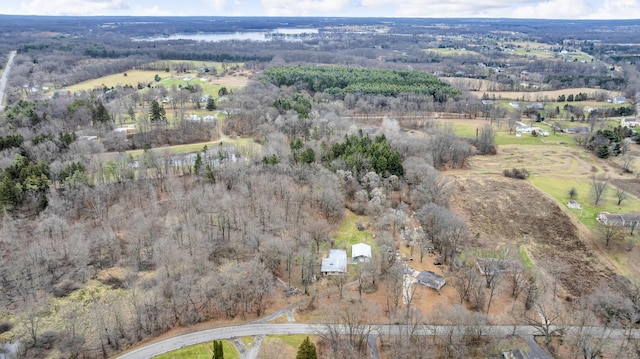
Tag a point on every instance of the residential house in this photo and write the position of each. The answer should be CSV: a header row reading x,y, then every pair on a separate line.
x,y
577,129
360,252
619,220
335,263
430,279
619,100
536,106
629,122
524,129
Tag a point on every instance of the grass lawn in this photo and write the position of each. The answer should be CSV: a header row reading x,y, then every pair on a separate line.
x,y
195,147
468,130
348,233
504,138
248,341
451,52
133,78
282,346
199,64
558,188
525,258
201,351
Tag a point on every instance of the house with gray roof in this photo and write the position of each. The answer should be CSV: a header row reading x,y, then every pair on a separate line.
x,y
431,280
335,263
619,220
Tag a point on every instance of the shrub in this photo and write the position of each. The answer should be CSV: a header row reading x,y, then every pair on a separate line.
x,y
516,173
65,288
5,327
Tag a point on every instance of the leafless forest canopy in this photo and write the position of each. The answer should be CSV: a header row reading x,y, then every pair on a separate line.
x,y
102,248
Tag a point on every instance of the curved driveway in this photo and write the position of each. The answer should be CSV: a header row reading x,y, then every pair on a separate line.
x,y
5,78
203,336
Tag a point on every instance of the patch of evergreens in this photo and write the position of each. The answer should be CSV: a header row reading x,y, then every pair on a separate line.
x,y
342,80
362,154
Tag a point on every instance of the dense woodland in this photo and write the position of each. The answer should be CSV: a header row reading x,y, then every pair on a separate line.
x,y
101,249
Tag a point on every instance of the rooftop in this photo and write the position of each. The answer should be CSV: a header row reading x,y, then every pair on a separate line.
x,y
336,262
360,250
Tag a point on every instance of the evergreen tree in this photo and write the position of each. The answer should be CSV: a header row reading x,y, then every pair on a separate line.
x,y
131,113
211,104
101,114
197,165
157,112
603,151
218,352
307,350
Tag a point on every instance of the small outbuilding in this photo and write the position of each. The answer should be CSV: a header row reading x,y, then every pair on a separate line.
x,y
360,252
574,204
335,263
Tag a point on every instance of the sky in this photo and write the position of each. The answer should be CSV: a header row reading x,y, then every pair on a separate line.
x,y
546,9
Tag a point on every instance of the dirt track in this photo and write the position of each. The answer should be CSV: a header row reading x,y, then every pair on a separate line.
x,y
510,211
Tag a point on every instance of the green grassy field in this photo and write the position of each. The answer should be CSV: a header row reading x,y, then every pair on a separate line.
x,y
219,66
195,147
167,79
201,351
558,189
133,78
504,138
208,87
282,346
348,233
451,52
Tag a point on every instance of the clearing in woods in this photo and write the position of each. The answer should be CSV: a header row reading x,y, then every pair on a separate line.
x,y
134,77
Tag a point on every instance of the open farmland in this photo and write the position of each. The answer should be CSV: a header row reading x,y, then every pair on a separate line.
x,y
211,84
533,213
547,95
128,78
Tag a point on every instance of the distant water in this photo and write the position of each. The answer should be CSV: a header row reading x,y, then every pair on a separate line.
x,y
284,33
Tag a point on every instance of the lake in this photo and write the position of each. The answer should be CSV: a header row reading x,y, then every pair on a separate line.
x,y
283,33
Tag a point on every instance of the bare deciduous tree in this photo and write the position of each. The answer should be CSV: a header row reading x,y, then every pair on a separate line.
x,y
610,233
465,279
347,327
621,195
547,318
599,186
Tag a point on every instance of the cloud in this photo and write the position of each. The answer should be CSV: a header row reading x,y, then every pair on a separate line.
x,y
73,7
304,7
545,9
151,11
217,5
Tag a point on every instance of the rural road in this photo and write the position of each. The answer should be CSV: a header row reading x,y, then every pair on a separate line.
x,y
5,78
153,349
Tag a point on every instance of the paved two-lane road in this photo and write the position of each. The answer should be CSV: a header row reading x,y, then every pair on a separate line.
x,y
5,78
151,350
